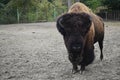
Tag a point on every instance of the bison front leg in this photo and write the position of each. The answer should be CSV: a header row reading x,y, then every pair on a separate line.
x,y
74,64
75,68
82,69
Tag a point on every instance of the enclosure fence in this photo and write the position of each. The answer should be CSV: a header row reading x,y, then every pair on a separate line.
x,y
110,15
17,16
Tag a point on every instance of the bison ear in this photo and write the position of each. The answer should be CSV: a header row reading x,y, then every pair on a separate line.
x,y
60,26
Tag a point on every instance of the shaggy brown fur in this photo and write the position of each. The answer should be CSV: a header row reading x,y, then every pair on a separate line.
x,y
81,28
98,22
79,7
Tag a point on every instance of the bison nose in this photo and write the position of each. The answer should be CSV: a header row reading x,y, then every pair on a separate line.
x,y
76,47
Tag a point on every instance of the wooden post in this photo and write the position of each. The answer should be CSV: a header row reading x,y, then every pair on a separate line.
x,y
69,3
54,13
106,15
18,16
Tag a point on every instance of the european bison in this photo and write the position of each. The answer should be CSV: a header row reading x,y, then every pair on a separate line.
x,y
81,28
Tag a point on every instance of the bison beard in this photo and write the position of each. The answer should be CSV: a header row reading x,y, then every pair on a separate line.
x,y
80,32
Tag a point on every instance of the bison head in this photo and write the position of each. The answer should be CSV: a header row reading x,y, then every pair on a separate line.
x,y
74,27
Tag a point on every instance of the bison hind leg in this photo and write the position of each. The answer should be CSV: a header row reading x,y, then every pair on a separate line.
x,y
101,48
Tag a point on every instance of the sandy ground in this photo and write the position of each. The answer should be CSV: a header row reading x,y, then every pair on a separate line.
x,y
36,51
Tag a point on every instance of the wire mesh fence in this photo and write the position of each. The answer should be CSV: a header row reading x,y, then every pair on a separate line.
x,y
16,16
50,14
110,15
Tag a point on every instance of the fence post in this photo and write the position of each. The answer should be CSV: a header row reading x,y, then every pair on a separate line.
x,y
54,14
106,16
18,15
114,13
69,3
37,15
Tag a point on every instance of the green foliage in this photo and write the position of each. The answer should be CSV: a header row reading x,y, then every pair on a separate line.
x,y
30,10
5,17
1,5
93,4
4,1
112,4
50,1
13,11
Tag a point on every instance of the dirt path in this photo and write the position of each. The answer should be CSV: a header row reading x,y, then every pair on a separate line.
x,y
36,52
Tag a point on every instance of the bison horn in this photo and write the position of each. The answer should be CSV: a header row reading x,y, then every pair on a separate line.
x,y
60,22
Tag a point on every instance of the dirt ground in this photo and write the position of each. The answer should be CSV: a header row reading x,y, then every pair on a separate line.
x,y
36,51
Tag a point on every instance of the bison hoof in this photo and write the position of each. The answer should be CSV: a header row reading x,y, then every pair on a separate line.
x,y
81,72
82,69
74,71
101,57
